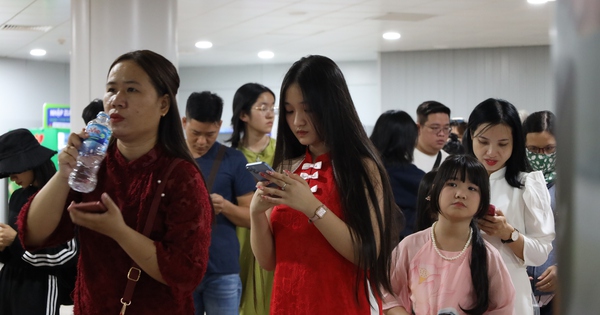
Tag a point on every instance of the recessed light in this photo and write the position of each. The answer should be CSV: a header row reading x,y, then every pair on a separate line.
x,y
37,52
537,1
391,35
266,54
203,44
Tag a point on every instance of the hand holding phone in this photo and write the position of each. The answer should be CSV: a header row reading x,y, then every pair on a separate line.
x,y
90,207
491,210
260,167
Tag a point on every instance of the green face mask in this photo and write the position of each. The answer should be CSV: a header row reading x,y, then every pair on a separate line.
x,y
545,163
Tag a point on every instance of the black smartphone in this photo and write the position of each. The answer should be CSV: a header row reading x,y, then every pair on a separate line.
x,y
91,207
260,167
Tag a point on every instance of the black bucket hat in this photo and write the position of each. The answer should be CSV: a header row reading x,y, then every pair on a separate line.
x,y
20,151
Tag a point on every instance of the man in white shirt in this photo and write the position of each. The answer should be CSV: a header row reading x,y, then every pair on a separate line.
x,y
433,120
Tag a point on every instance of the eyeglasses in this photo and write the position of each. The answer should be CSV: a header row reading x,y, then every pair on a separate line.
x,y
435,129
549,149
264,109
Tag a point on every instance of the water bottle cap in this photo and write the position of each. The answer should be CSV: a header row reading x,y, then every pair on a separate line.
x,y
102,114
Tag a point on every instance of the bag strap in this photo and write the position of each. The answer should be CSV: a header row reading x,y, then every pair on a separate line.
x,y
134,273
215,168
438,160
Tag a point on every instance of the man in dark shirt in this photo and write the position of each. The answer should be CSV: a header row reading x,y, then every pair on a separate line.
x,y
231,187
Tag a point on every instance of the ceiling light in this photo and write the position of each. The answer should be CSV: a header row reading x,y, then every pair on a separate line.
x,y
37,52
203,44
391,35
266,54
537,1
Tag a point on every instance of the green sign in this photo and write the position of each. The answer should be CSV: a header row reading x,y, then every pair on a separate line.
x,y
56,116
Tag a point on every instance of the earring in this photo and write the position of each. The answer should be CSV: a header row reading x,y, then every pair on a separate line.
x,y
428,198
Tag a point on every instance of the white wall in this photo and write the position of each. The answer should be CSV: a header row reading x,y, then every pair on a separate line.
x,y
463,78
25,85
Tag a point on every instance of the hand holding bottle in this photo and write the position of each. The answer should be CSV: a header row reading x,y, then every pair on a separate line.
x,y
91,153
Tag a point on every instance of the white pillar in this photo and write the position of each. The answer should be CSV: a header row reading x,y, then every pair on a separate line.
x,y
576,64
102,30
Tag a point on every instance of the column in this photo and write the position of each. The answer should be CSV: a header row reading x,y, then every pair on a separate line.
x,y
102,30
576,63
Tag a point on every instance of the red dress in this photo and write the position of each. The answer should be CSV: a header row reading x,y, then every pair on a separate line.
x,y
181,235
311,277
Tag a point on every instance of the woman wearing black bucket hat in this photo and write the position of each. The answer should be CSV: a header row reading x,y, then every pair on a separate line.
x,y
30,282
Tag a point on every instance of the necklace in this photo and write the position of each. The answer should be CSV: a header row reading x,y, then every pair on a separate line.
x,y
258,154
437,250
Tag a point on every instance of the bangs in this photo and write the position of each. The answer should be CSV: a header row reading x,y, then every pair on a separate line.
x,y
468,169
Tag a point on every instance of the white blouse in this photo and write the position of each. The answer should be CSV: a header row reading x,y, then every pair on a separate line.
x,y
528,210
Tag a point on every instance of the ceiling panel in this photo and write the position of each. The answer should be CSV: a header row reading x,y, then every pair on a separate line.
x,y
343,29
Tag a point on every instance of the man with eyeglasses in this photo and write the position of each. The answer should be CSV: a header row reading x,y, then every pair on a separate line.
x,y
433,121
231,189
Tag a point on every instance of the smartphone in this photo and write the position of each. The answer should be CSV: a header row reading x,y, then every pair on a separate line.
x,y
491,210
91,207
260,167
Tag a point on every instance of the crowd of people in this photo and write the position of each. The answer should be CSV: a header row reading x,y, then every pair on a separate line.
x,y
425,216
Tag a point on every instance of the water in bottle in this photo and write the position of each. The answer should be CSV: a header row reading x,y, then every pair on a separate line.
x,y
92,151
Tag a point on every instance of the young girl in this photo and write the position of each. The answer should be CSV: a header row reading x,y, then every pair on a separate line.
x,y
327,229
253,116
523,228
449,268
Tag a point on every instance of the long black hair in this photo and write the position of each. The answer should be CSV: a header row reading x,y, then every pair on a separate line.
x,y
493,112
395,135
164,78
425,216
463,167
243,100
336,121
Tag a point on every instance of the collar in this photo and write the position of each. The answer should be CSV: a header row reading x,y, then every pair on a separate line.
x,y
212,152
325,157
142,162
499,174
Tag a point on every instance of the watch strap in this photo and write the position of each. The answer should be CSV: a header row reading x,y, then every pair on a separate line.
x,y
510,239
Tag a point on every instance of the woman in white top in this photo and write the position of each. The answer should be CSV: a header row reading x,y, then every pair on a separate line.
x,y
523,227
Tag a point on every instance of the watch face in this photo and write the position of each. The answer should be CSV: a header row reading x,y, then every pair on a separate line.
x,y
321,212
514,236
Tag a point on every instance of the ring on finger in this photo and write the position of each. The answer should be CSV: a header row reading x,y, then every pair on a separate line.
x,y
283,187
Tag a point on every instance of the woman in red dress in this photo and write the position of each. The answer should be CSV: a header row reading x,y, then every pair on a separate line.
x,y
146,137
326,229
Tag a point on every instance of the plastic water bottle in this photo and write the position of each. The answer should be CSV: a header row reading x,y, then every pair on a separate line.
x,y
91,153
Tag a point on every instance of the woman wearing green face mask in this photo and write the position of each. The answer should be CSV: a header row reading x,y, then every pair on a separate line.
x,y
541,153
